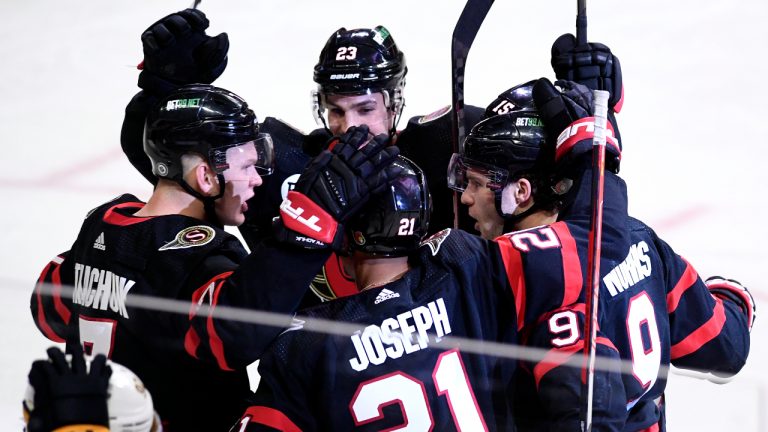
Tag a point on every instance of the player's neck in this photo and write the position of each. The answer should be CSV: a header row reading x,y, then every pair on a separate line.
x,y
373,272
170,198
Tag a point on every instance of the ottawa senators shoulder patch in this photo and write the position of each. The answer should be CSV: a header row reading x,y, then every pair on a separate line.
x,y
197,235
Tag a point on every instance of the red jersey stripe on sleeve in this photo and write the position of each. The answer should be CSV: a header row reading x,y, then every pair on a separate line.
x,y
217,346
41,320
515,275
686,281
211,290
701,335
571,264
272,418
61,308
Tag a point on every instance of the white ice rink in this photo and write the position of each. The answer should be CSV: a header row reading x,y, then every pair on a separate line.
x,y
693,126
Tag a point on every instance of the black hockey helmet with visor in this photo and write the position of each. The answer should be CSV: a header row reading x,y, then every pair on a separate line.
x,y
394,222
500,149
211,122
358,62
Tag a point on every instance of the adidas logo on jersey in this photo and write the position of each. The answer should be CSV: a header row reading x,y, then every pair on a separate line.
x,y
385,294
99,243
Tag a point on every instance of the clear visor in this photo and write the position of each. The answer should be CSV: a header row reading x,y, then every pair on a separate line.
x,y
363,108
243,160
462,171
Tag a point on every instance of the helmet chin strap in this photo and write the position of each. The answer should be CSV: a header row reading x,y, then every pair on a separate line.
x,y
209,203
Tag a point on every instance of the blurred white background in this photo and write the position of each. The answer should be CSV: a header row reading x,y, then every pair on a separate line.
x,y
692,125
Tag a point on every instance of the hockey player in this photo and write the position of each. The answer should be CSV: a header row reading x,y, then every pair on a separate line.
x,y
207,151
393,370
81,395
362,85
654,307
507,185
499,172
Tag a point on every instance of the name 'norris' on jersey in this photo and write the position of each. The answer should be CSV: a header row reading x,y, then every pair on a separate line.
x,y
101,289
635,267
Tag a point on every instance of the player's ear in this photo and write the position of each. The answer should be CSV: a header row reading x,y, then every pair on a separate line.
x,y
206,179
524,192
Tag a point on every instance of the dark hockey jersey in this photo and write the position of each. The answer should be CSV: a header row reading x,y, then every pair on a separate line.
x,y
398,365
654,309
190,362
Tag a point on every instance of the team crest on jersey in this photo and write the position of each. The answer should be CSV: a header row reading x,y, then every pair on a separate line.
x,y
436,240
435,115
197,235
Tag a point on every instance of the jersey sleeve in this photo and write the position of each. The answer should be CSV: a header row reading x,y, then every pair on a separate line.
x,y
272,280
51,309
555,380
707,333
281,402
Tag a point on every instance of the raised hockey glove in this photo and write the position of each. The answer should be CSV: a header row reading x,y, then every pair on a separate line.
x,y
729,289
335,185
68,394
570,125
592,65
177,51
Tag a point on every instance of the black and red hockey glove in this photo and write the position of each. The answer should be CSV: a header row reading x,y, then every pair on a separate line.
x,y
592,65
177,51
335,185
729,289
67,394
568,118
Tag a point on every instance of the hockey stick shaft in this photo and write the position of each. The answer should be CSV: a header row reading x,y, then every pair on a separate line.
x,y
464,33
594,252
581,22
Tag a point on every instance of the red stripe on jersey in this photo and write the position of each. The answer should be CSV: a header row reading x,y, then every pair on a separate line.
x,y
191,342
515,275
701,335
41,321
558,356
217,346
272,418
114,218
61,308
340,283
686,281
212,289
652,428
572,275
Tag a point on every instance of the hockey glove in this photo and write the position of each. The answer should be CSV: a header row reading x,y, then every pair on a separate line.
x,y
729,289
335,185
68,395
592,65
567,117
178,52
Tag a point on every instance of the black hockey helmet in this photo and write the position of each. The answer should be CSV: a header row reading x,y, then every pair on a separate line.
x,y
516,98
205,120
360,61
394,222
503,149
